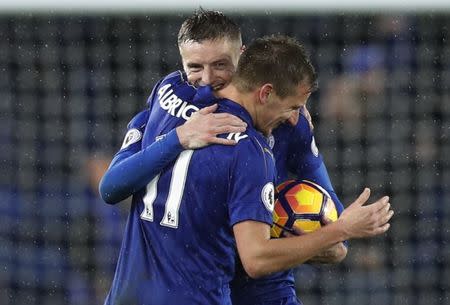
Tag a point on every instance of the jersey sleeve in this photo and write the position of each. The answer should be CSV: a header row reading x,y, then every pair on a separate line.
x,y
133,167
306,162
204,96
251,189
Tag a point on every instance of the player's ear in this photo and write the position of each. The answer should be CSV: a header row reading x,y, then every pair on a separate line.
x,y
264,93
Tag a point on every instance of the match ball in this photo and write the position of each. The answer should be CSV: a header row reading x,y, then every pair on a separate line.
x,y
303,205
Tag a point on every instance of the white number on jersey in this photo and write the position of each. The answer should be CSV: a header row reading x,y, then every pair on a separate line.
x,y
149,198
177,182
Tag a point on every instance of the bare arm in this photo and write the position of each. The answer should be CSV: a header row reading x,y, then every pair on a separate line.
x,y
261,255
333,255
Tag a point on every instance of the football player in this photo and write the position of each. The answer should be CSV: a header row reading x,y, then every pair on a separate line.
x,y
214,66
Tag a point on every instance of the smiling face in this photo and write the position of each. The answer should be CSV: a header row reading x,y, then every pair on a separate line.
x,y
210,62
274,78
275,110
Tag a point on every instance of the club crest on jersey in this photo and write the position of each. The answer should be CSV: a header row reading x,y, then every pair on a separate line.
x,y
314,148
268,196
175,106
132,136
237,136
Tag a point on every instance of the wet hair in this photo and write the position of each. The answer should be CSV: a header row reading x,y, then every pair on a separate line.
x,y
208,25
277,59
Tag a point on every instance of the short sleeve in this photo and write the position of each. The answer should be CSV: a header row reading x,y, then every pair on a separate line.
x,y
251,189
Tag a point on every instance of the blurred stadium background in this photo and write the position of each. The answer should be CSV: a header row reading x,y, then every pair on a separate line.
x,y
71,80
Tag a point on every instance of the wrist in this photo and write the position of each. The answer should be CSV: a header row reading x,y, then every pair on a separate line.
x,y
182,137
340,230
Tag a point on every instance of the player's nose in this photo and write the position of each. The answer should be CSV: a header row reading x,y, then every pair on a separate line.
x,y
207,77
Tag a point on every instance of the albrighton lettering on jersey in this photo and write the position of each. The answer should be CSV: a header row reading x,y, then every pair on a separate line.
x,y
175,106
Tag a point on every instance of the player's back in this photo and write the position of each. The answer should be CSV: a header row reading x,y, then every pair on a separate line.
x,y
178,246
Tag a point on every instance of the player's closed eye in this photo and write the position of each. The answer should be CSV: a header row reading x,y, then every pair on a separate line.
x,y
220,65
194,68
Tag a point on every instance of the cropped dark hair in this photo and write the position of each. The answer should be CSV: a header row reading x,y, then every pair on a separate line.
x,y
279,60
208,25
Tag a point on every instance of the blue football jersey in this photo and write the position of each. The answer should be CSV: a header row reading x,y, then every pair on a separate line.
x,y
296,153
179,246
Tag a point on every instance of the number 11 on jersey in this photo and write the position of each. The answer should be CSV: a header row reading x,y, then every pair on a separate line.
x,y
176,190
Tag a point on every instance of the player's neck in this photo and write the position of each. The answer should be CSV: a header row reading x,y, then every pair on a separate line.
x,y
246,100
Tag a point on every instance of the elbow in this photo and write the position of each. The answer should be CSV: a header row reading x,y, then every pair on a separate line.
x,y
344,253
107,198
340,254
255,269
106,192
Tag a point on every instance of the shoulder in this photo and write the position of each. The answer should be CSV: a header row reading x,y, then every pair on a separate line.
x,y
135,129
302,127
139,120
301,133
249,145
176,78
236,136
252,171
251,148
174,89
304,123
173,95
